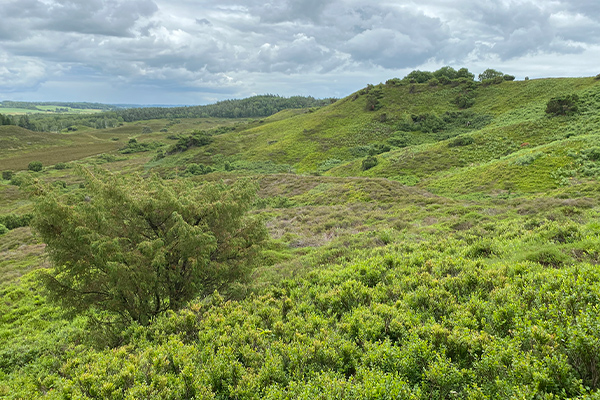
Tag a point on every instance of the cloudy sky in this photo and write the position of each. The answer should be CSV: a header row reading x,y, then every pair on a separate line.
x,y
198,52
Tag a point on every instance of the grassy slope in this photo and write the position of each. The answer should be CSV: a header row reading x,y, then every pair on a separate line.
x,y
306,140
452,288
520,127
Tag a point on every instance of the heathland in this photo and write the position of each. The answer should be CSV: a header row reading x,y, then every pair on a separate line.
x,y
431,237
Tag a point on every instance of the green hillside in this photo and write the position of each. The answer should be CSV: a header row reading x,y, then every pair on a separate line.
x,y
434,240
503,119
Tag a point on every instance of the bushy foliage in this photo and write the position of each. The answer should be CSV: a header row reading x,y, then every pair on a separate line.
x,y
7,175
3,229
198,169
133,146
378,148
35,166
443,76
464,100
137,249
490,74
328,164
369,163
428,122
372,99
196,139
461,141
418,76
563,105
6,120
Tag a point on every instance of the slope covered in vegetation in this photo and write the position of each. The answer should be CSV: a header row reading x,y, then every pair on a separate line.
x,y
429,240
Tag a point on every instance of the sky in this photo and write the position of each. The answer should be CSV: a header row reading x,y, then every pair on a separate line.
x,y
199,52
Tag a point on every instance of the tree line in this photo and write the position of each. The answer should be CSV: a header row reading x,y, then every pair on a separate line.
x,y
252,107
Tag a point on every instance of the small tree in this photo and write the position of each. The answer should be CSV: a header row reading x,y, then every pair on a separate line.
x,y
490,74
35,166
134,248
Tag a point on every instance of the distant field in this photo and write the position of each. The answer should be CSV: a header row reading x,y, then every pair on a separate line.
x,y
54,155
19,111
46,110
18,147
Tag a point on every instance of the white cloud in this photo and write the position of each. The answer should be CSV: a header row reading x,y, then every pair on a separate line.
x,y
232,48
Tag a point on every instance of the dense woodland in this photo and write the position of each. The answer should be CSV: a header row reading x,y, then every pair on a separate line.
x,y
435,236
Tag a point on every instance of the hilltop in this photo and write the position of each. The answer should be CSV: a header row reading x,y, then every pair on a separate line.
x,y
417,133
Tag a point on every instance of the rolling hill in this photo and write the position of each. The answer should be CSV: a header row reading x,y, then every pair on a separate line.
x,y
427,241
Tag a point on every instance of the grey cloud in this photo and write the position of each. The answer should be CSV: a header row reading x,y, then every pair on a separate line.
x,y
202,44
18,73
102,17
291,10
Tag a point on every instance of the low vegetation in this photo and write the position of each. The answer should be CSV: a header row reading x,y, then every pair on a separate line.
x,y
430,237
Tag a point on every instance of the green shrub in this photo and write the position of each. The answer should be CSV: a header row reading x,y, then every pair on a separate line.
x,y
548,256
3,229
509,77
428,122
373,100
591,154
146,129
562,105
13,221
461,141
369,163
35,166
196,139
378,148
464,100
198,169
490,74
16,180
145,246
60,165
418,76
528,158
327,164
7,175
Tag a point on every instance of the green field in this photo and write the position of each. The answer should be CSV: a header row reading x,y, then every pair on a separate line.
x,y
417,250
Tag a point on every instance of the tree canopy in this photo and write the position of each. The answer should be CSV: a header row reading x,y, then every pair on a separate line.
x,y
130,249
